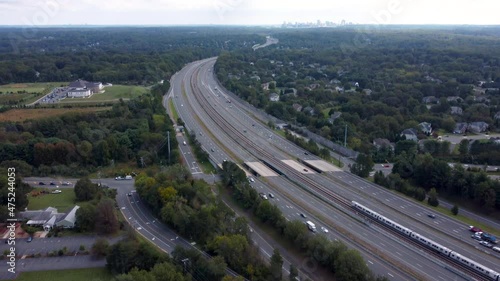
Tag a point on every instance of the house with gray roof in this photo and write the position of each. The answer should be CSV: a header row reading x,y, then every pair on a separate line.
x,y
334,116
410,134
274,97
457,110
460,128
381,143
426,128
70,219
478,127
83,89
430,99
49,217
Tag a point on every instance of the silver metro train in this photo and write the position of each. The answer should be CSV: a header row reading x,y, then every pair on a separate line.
x,y
492,275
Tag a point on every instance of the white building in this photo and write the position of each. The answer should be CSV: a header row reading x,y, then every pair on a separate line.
x,y
69,220
79,93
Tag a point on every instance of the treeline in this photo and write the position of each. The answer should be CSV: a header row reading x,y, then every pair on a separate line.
x,y
76,144
457,183
17,189
125,55
190,207
345,263
377,85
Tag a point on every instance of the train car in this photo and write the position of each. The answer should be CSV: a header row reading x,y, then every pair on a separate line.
x,y
492,275
382,219
431,244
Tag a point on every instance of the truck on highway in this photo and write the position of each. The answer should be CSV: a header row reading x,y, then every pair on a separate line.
x,y
489,238
311,226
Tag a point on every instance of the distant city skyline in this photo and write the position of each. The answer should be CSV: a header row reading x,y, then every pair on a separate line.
x,y
246,12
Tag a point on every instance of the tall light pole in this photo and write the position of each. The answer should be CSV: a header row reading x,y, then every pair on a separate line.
x,y
345,136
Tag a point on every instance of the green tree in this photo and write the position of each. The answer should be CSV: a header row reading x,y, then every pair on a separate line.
x,y
363,166
86,217
100,247
106,220
350,265
85,190
294,273
276,265
454,210
433,198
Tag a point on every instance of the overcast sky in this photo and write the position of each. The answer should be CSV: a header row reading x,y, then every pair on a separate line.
x,y
246,12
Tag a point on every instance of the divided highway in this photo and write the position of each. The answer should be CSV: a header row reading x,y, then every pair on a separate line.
x,y
222,144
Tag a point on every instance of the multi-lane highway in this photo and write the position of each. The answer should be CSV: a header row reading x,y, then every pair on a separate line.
x,y
223,145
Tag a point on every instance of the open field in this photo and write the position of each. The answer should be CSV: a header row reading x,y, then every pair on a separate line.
x,y
84,274
62,201
113,93
14,115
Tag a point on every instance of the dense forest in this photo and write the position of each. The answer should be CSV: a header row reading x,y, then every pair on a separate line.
x,y
77,144
124,55
379,83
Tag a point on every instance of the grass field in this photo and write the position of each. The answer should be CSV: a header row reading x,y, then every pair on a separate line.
x,y
84,274
62,201
37,113
113,93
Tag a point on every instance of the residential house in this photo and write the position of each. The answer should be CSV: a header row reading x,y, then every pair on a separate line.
x,y
381,143
70,219
430,99
334,116
456,99
410,134
255,77
426,128
309,110
274,97
297,107
456,110
335,81
314,86
460,128
478,127
367,92
339,89
265,86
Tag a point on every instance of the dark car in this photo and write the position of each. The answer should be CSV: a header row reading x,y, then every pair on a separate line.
x,y
303,215
52,183
432,216
41,183
474,229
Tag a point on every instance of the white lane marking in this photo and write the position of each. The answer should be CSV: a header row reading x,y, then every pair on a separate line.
x,y
390,274
370,262
419,265
455,231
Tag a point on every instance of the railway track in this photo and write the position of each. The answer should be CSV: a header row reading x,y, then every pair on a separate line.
x,y
260,153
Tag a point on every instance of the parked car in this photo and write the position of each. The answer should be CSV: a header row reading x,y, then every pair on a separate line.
x,y
118,178
66,183
29,239
56,191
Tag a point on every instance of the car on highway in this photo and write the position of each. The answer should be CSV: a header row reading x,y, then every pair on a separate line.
x,y
476,237
306,170
486,244
303,215
271,195
324,229
52,183
496,249
251,179
432,216
263,196
306,153
66,183
474,229
129,194
41,183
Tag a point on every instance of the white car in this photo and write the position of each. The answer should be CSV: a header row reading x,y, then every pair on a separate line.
x,y
56,191
324,229
486,244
